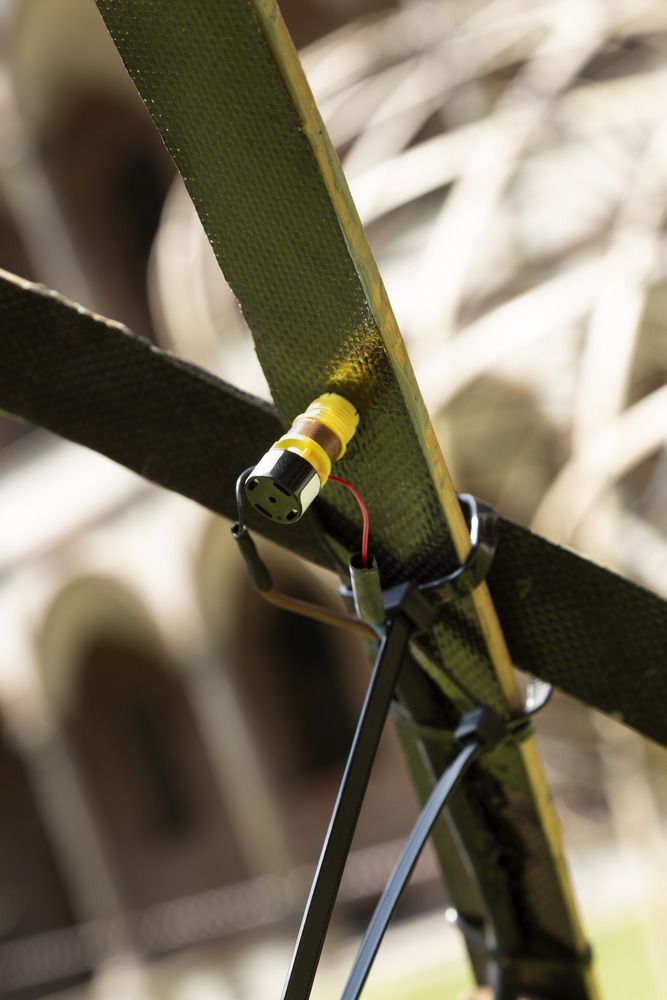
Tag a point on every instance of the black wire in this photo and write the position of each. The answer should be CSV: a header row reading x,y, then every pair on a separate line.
x,y
393,891
310,940
508,968
240,483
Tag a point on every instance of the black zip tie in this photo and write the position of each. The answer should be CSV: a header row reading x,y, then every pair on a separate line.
x,y
519,727
483,526
436,734
482,522
324,889
257,571
408,610
478,731
538,696
472,931
240,483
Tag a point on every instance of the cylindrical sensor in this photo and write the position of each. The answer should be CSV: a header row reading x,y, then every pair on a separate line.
x,y
367,590
282,485
291,474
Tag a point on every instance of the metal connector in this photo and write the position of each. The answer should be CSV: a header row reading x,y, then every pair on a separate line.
x,y
282,486
367,590
291,474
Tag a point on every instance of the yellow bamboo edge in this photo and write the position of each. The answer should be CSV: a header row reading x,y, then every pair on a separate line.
x,y
287,60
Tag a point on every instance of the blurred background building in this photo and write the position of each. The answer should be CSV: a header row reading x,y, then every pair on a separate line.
x,y
169,752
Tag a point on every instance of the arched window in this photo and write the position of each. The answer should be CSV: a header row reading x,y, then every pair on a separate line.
x,y
301,685
111,174
149,778
295,680
32,895
312,696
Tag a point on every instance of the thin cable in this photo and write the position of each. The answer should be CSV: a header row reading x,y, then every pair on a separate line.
x,y
240,483
318,613
263,585
364,515
384,910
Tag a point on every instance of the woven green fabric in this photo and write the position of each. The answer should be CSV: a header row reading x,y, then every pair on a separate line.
x,y
96,383
217,97
211,83
227,114
584,629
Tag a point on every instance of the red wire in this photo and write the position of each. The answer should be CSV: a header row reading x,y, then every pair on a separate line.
x,y
364,515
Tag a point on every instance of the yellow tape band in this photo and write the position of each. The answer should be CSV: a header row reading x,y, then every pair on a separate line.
x,y
310,450
336,413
